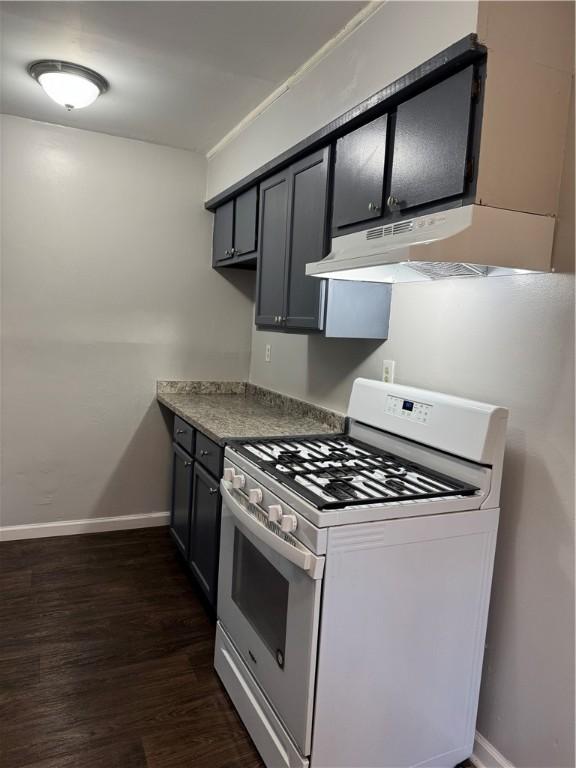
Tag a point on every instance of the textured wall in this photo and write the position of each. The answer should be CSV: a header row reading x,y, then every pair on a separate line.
x,y
107,286
506,340
510,341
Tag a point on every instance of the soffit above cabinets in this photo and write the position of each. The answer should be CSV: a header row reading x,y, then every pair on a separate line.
x,y
181,73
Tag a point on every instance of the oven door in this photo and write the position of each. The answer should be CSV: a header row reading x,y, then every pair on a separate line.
x,y
269,604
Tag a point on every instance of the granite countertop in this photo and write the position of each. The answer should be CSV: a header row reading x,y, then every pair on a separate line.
x,y
226,411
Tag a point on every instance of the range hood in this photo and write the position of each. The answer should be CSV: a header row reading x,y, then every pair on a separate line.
x,y
467,241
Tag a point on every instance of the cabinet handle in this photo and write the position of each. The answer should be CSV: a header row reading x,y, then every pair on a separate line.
x,y
373,207
204,453
212,491
187,463
180,431
392,201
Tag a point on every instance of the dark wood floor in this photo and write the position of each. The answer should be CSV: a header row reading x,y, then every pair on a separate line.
x,y
106,659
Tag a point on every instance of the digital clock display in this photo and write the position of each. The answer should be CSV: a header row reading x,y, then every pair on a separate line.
x,y
407,405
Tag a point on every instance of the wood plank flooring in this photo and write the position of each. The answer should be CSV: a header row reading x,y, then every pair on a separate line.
x,y
106,659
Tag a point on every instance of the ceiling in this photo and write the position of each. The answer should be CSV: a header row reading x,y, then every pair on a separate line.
x,y
181,73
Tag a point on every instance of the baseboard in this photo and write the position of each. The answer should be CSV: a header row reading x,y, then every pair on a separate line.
x,y
487,756
74,527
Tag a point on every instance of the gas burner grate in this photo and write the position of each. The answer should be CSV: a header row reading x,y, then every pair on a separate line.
x,y
339,471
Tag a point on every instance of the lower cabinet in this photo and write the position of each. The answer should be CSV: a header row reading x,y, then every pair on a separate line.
x,y
196,510
182,478
205,531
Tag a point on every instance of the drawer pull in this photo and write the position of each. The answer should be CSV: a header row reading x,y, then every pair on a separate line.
x,y
204,453
181,431
187,463
212,491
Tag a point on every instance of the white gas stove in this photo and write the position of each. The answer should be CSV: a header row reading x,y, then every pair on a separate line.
x,y
355,575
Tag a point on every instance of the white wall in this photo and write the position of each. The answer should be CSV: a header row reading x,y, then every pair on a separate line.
x,y
107,286
504,340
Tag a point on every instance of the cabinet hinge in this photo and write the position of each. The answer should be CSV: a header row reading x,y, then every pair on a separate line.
x,y
469,169
476,87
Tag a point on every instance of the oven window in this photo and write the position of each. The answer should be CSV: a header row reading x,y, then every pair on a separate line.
x,y
261,593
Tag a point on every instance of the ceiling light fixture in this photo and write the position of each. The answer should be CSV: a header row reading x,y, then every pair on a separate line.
x,y
70,85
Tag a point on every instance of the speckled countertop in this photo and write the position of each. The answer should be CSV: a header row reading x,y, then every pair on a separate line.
x,y
229,410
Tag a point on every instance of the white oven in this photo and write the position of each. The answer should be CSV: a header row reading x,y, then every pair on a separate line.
x,y
355,576
269,597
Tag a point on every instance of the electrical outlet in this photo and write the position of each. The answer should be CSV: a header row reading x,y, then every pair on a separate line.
x,y
268,353
388,371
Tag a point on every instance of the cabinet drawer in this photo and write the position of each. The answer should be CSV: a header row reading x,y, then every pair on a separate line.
x,y
183,434
209,454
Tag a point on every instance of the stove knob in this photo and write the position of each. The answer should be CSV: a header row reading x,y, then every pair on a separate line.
x,y
255,496
288,523
229,474
239,482
275,513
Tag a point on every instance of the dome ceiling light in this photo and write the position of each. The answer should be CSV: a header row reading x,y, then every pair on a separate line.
x,y
70,85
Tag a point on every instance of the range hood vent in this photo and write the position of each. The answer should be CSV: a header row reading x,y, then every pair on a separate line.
x,y
468,241
390,229
436,270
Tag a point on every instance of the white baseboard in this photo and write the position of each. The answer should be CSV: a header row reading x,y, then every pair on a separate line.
x,y
487,756
73,527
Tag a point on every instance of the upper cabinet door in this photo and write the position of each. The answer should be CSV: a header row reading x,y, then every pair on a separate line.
x,y
307,241
431,143
223,239
273,249
359,174
246,222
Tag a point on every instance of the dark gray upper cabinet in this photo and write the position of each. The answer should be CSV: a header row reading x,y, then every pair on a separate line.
x,y
293,215
205,531
274,195
304,296
181,498
359,174
223,237
235,229
431,143
245,222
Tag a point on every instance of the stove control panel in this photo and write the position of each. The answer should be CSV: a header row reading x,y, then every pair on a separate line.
x,y
408,409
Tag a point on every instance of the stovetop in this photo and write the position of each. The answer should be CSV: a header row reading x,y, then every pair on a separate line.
x,y
337,472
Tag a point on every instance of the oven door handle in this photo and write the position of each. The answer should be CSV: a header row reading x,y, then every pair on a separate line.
x,y
297,553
